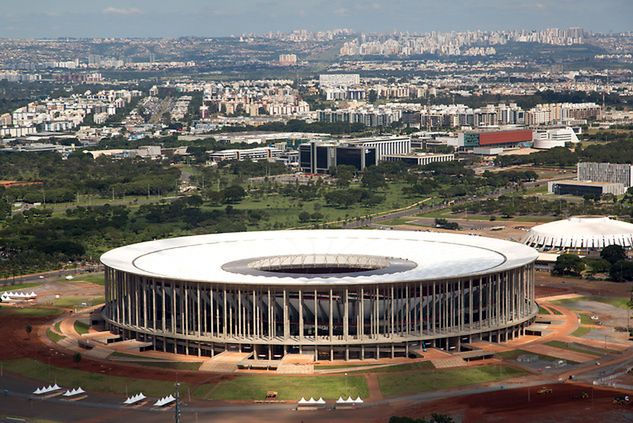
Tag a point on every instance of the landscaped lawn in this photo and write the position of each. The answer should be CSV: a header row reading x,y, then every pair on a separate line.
x,y
395,384
18,286
175,365
384,369
585,319
73,302
287,387
95,278
81,327
542,310
619,302
54,336
31,311
71,378
581,331
514,354
577,348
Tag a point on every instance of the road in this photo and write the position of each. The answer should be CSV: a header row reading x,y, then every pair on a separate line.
x,y
37,277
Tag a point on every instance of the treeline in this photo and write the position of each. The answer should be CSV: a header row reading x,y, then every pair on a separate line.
x,y
297,125
35,240
60,180
614,152
612,262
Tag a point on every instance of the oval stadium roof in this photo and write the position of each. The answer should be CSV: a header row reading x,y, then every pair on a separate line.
x,y
232,257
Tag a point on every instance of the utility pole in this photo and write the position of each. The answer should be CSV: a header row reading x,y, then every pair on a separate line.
x,y
177,408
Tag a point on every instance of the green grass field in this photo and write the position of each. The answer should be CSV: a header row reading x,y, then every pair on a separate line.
x,y
396,384
95,278
572,303
54,336
18,286
284,211
581,331
514,354
542,310
421,365
76,302
88,381
81,327
287,387
578,348
174,365
585,319
30,311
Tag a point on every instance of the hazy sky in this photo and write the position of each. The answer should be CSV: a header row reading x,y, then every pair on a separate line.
x,y
79,18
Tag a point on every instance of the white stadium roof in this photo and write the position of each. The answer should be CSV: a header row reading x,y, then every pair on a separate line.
x,y
581,233
391,256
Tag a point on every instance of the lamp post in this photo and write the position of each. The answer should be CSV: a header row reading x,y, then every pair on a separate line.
x,y
177,408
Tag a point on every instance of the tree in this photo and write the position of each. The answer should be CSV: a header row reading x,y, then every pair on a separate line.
x,y
568,264
343,174
621,271
613,253
233,194
597,265
77,357
304,216
373,178
372,96
28,329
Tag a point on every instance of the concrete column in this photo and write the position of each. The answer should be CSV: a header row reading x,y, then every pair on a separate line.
x,y
346,316
316,321
255,309
225,311
198,311
392,318
286,318
300,315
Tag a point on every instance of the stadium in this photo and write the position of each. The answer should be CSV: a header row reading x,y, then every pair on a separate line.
x,y
333,294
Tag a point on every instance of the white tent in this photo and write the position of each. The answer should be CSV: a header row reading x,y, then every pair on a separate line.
x,y
164,401
73,392
358,400
303,401
134,399
320,401
46,389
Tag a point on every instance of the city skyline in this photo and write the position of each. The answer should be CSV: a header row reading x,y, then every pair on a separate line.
x,y
142,18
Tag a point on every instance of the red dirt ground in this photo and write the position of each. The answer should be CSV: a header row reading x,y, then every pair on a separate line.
x,y
21,345
548,285
564,404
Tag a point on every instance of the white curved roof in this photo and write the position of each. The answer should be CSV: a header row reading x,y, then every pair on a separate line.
x,y
205,257
581,233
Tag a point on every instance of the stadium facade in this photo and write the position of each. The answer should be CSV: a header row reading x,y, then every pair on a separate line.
x,y
335,294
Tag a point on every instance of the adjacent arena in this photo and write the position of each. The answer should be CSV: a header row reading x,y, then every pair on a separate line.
x,y
334,294
581,234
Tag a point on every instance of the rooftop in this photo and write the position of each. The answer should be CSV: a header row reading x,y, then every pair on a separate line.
x,y
318,257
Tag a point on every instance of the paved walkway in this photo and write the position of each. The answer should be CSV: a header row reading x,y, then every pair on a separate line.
x,y
225,362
